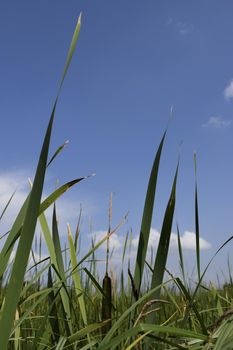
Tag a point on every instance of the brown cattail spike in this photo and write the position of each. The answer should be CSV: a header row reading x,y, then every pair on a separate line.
x,y
107,304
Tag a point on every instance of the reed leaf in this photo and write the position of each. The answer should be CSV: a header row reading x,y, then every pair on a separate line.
x,y
76,278
162,251
30,219
146,219
197,221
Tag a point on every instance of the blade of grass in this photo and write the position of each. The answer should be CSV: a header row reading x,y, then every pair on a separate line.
x,y
180,254
29,225
77,279
7,205
197,221
15,230
146,219
164,241
57,152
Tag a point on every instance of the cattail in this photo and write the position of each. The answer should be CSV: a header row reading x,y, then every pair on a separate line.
x,y
107,283
107,304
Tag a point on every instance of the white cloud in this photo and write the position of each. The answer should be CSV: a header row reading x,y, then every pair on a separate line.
x,y
67,209
228,91
217,123
10,182
115,241
183,28
188,241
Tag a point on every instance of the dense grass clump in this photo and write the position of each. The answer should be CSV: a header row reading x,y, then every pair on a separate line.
x,y
60,302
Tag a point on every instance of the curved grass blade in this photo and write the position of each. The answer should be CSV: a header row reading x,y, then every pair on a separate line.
x,y
173,331
82,333
25,242
57,152
15,230
7,205
164,241
225,340
207,266
58,193
29,224
146,219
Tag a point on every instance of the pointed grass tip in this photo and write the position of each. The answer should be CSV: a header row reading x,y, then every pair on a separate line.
x,y
68,230
80,17
91,175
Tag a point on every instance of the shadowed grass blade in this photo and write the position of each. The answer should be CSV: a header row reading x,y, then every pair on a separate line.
x,y
77,279
197,221
51,315
164,241
146,219
180,254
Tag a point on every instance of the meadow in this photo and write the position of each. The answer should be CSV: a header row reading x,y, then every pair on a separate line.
x,y
61,303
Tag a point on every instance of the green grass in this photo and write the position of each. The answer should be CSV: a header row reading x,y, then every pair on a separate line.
x,y
65,305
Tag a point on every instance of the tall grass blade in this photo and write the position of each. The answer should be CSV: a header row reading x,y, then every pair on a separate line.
x,y
146,219
180,254
29,224
197,222
25,243
77,279
162,251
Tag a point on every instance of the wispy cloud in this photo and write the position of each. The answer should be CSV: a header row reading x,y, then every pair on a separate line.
x,y
228,91
216,123
182,27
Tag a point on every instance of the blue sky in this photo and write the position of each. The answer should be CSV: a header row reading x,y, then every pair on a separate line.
x,y
134,60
